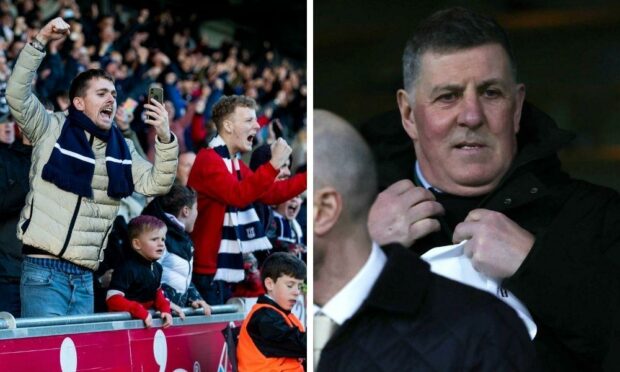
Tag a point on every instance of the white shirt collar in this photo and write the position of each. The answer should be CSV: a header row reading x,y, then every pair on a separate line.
x,y
349,299
423,181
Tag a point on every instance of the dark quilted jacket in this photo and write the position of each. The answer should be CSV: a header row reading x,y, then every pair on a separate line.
x,y
414,320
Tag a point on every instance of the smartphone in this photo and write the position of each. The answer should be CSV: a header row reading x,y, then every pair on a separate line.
x,y
157,93
130,105
277,128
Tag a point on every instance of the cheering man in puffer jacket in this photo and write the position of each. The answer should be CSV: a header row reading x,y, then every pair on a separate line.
x,y
81,168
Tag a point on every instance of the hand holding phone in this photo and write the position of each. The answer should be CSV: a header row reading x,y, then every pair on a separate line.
x,y
156,114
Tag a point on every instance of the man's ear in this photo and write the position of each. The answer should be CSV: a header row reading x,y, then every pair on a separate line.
x,y
327,209
519,99
227,126
406,113
269,284
78,102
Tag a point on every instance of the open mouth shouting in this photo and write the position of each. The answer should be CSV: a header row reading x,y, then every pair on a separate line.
x,y
106,114
291,209
250,139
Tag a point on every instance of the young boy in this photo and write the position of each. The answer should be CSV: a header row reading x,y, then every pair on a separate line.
x,y
178,210
135,285
271,337
288,232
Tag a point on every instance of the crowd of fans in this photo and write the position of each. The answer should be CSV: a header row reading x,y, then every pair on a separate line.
x,y
142,49
139,49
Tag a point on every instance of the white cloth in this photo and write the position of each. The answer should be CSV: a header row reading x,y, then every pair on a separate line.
x,y
450,261
349,299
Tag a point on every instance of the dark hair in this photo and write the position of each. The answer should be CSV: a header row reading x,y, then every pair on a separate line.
x,y
261,155
282,263
227,105
178,197
449,30
142,224
79,85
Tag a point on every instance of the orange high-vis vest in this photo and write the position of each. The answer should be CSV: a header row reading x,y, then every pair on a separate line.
x,y
250,359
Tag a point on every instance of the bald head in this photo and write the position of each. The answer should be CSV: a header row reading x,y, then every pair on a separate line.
x,y
343,160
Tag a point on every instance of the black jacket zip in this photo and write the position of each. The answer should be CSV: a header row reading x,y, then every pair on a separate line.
x,y
104,238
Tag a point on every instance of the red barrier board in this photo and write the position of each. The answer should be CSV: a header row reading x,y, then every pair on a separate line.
x,y
178,348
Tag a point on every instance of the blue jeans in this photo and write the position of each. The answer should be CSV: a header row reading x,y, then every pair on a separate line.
x,y
215,292
9,298
48,290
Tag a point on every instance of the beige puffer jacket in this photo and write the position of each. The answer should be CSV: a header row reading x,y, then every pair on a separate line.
x,y
64,224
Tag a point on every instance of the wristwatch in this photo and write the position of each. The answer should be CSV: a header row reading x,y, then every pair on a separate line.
x,y
37,45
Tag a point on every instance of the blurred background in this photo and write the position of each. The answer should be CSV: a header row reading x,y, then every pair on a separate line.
x,y
568,56
251,22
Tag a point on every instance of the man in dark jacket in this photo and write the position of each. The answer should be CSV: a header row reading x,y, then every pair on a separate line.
x,y
391,312
486,172
14,168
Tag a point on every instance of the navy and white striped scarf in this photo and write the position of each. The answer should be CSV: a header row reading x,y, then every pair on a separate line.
x,y
71,165
242,231
288,231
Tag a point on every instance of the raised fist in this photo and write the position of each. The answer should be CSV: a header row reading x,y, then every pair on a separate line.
x,y
280,152
55,29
